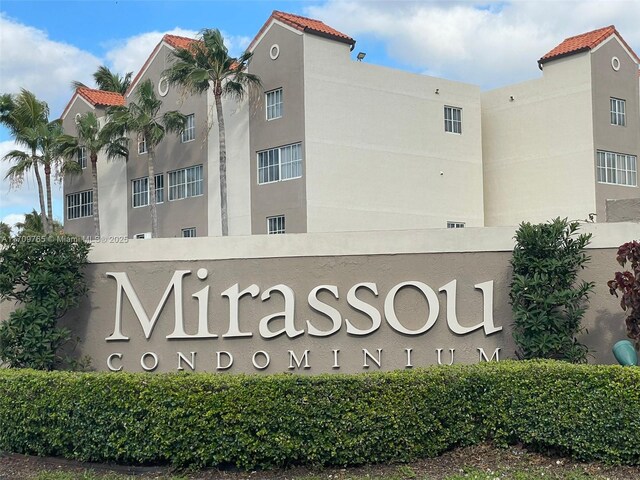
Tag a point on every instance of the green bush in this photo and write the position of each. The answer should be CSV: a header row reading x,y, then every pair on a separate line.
x,y
196,420
44,275
547,300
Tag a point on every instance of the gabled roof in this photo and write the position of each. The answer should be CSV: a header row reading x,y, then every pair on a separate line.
x,y
306,25
583,42
96,98
100,97
173,41
178,42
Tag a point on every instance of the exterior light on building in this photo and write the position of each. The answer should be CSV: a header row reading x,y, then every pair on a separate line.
x,y
511,99
360,56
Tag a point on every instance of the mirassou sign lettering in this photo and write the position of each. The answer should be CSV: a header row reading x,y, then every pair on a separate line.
x,y
287,324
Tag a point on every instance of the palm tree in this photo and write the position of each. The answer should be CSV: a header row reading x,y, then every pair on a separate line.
x,y
24,115
94,139
108,81
206,64
142,118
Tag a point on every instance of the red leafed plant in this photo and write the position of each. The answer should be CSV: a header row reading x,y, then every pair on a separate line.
x,y
628,283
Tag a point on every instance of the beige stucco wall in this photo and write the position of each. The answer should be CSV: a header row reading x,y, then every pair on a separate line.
x,y
236,118
621,84
538,148
112,181
171,154
377,155
302,262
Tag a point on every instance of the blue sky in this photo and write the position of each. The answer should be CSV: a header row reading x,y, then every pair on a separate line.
x,y
46,44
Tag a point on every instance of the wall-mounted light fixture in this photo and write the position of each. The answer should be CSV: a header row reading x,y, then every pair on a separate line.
x,y
437,91
511,99
360,56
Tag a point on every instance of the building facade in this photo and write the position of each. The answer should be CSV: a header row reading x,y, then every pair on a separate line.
x,y
332,144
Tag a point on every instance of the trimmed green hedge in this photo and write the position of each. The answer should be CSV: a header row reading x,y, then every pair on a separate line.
x,y
195,420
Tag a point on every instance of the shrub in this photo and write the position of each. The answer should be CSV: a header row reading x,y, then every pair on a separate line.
x,y
628,283
547,300
44,276
195,420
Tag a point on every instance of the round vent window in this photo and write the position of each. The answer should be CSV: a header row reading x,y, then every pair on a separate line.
x,y
163,86
274,51
615,63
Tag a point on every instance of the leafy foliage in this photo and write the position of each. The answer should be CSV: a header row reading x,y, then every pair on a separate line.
x,y
206,64
192,420
628,283
142,117
547,300
44,276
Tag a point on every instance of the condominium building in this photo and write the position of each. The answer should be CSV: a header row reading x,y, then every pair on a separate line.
x,y
331,143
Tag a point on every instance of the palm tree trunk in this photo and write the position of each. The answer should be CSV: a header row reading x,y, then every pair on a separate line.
x,y
47,179
94,186
43,215
152,193
223,165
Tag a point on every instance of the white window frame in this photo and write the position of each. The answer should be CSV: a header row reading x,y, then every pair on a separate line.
x,y
79,205
273,104
142,145
82,156
618,111
616,168
189,132
454,224
276,225
189,232
185,183
451,123
140,191
280,164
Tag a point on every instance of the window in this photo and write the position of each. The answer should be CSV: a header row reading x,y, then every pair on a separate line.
x,y
82,157
185,183
189,232
142,145
275,225
453,120
142,236
455,224
80,204
189,132
617,112
274,104
140,191
617,168
281,163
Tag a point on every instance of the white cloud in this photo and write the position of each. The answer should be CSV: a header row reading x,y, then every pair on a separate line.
x,y
129,55
31,60
12,219
488,43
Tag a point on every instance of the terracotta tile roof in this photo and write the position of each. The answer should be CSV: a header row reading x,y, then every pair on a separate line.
x,y
178,42
582,42
95,98
304,24
100,97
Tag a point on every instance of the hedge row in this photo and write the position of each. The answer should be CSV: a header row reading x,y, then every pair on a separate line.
x,y
196,420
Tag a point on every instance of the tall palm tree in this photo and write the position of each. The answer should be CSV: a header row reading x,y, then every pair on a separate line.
x,y
108,81
142,118
94,139
205,64
24,115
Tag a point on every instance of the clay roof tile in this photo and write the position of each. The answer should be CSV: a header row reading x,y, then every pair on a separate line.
x,y
582,42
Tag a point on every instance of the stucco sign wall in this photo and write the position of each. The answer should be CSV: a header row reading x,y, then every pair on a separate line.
x,y
289,305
